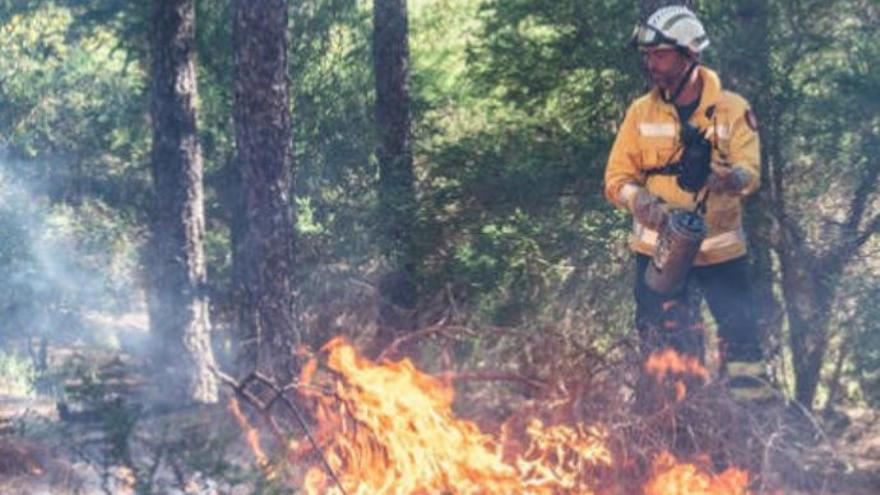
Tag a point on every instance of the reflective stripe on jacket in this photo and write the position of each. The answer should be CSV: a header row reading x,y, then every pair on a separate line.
x,y
649,138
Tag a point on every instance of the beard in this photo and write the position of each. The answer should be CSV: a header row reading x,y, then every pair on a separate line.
x,y
668,77
666,81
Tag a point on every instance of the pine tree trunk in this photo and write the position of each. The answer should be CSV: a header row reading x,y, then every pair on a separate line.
x,y
397,203
263,140
179,305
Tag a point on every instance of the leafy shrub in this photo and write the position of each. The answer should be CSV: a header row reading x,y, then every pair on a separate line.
x,y
17,375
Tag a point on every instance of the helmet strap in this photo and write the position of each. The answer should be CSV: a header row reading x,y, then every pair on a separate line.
x,y
670,98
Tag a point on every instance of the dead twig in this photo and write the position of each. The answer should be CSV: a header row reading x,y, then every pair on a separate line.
x,y
443,330
242,391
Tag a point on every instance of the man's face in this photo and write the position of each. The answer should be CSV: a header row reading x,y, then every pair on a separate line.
x,y
666,66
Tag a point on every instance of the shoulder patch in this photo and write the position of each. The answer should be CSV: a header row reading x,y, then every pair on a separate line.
x,y
751,119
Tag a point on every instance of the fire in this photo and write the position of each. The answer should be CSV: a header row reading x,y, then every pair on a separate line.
x,y
669,363
389,429
252,437
395,433
672,478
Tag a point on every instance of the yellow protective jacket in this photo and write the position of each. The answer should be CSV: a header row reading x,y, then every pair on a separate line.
x,y
649,138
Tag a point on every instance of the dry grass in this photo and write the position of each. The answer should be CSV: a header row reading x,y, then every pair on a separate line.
x,y
552,373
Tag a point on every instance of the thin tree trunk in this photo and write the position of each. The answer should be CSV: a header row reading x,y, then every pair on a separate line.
x,y
834,385
397,203
263,140
810,281
808,307
179,309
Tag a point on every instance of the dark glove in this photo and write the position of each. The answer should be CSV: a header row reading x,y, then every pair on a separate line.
x,y
649,210
728,181
695,159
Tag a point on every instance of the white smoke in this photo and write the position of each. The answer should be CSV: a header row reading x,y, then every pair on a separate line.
x,y
66,273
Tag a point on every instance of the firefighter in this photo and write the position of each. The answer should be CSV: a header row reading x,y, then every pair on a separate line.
x,y
689,144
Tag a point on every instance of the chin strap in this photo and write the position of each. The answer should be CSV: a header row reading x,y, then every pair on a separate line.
x,y
681,84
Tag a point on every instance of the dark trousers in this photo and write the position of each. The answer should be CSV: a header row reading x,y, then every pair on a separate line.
x,y
675,320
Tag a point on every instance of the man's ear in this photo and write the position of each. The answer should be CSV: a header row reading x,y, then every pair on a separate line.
x,y
688,55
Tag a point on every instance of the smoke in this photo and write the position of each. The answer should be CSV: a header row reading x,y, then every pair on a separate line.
x,y
66,273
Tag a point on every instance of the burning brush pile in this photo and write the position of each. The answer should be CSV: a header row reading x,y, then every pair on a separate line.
x,y
388,428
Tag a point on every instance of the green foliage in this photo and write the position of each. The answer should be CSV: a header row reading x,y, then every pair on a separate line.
x,y
17,375
514,148
332,98
70,116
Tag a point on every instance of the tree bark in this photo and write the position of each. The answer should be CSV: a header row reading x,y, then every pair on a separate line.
x,y
179,305
397,202
263,140
808,307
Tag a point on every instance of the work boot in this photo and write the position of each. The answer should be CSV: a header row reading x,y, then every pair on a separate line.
x,y
749,382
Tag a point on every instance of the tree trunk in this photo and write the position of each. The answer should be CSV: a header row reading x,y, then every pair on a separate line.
x,y
809,278
179,309
263,140
808,307
397,203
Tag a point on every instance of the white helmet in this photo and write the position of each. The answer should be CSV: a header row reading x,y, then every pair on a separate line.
x,y
673,26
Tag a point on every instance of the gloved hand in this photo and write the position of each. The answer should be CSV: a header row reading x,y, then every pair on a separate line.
x,y
728,180
649,210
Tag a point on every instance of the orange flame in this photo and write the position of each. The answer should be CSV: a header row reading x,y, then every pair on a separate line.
x,y
396,434
672,478
667,362
389,429
252,437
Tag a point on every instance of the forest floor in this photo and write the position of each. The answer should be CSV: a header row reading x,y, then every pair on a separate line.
x,y
849,463
110,446
186,452
41,455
